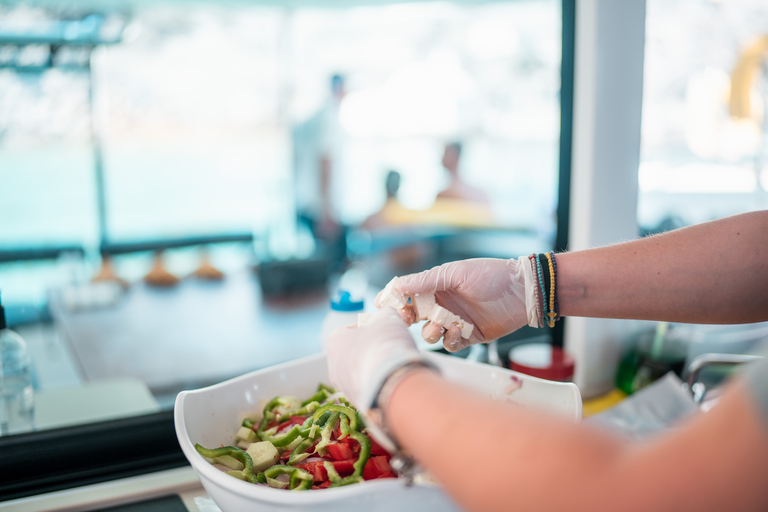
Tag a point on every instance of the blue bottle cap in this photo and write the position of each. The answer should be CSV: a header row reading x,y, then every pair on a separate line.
x,y
344,302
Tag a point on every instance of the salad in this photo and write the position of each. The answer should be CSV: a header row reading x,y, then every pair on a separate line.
x,y
304,444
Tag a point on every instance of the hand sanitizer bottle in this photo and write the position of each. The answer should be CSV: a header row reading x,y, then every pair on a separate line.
x,y
343,312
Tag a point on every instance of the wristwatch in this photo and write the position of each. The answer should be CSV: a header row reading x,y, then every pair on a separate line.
x,y
402,462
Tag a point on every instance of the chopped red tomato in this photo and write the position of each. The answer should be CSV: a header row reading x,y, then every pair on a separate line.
x,y
319,474
293,420
316,469
352,443
340,451
377,467
322,485
376,448
344,467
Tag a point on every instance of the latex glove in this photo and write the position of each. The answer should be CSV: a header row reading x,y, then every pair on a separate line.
x,y
495,295
361,358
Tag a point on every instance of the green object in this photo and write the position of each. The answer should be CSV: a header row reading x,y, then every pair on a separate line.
x,y
231,451
321,421
351,479
654,353
283,440
326,388
333,475
327,432
365,451
230,462
319,397
276,483
343,427
360,420
268,414
300,479
350,413
299,453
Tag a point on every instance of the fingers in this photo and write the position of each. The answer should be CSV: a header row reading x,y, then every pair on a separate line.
x,y
438,278
452,340
432,332
408,314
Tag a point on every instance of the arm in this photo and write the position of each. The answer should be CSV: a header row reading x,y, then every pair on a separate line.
x,y
491,456
716,272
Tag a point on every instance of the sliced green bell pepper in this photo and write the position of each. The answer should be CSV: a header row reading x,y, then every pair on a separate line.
x,y
232,451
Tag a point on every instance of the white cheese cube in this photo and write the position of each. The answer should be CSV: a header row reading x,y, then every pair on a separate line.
x,y
390,298
423,303
442,316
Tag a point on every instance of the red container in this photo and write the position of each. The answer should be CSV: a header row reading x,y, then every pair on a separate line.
x,y
542,360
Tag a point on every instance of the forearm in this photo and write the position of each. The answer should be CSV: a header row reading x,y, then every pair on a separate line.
x,y
495,456
490,455
709,273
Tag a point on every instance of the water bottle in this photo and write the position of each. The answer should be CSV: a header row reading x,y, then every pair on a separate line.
x,y
17,399
343,312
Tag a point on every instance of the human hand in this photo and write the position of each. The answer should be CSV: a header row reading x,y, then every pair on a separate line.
x,y
495,295
360,358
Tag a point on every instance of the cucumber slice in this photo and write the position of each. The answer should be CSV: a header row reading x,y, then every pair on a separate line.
x,y
264,455
277,484
237,474
246,434
229,461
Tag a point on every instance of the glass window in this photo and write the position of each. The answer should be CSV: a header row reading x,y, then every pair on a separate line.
x,y
196,123
704,151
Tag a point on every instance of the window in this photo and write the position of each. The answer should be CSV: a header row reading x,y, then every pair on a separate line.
x,y
184,131
703,153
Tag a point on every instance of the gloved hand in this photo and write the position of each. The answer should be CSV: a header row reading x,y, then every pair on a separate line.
x,y
495,295
361,358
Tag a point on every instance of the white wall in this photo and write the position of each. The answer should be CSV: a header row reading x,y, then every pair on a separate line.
x,y
610,38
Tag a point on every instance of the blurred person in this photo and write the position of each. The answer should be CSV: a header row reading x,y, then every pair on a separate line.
x,y
392,211
403,258
317,149
493,456
458,188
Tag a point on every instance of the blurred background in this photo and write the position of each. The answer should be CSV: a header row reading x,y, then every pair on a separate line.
x,y
281,146
184,186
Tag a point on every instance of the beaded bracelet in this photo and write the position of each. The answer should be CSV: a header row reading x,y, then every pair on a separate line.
x,y
551,315
537,299
545,291
542,288
554,272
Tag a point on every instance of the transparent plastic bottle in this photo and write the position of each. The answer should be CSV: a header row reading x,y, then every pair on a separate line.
x,y
17,398
343,312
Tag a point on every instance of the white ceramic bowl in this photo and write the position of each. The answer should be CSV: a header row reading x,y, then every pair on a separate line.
x,y
210,416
